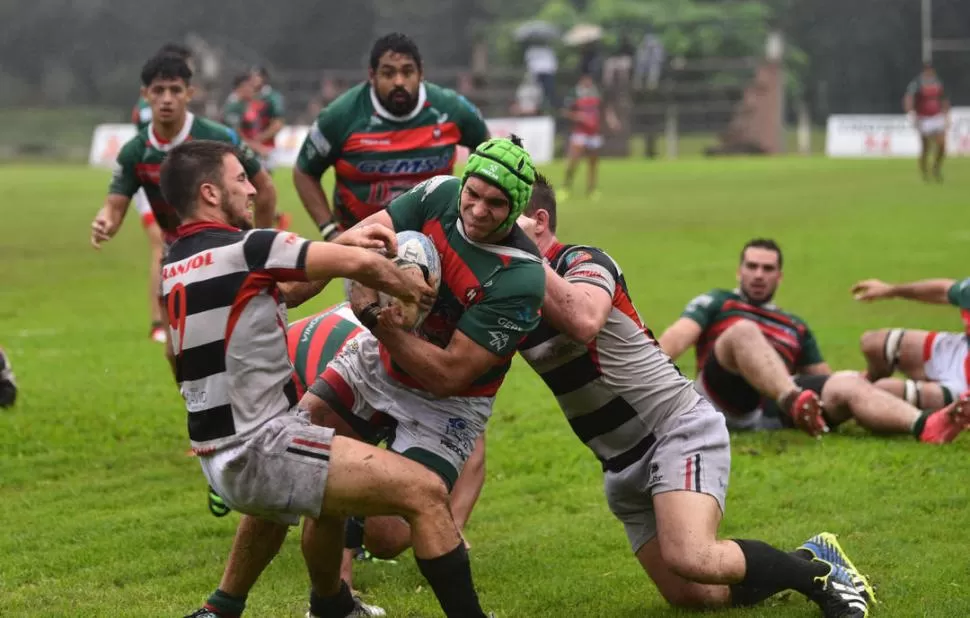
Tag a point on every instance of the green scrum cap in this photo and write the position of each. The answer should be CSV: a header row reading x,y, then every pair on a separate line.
x,y
505,164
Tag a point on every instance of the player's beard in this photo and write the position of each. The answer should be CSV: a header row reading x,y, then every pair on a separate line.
x,y
757,303
234,220
400,102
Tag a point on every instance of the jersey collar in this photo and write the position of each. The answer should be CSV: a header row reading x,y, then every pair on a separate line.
x,y
164,146
510,252
553,251
187,229
766,305
381,111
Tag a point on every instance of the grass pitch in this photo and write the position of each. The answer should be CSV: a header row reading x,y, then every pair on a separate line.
x,y
103,514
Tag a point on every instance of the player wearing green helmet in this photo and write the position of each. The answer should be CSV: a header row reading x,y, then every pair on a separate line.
x,y
438,384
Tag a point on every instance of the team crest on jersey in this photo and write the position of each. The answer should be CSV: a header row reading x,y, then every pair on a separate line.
x,y
436,133
473,294
577,257
499,340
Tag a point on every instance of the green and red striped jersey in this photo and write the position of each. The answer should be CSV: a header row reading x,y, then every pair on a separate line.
x,y
378,156
489,292
717,310
140,160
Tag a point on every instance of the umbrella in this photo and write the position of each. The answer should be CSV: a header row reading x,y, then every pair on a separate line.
x,y
582,34
536,30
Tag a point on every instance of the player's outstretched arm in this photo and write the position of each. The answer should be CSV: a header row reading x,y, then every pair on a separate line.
x,y
577,309
680,336
265,202
108,220
369,237
933,291
327,261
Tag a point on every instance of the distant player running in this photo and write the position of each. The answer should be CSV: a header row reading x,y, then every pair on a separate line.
x,y
761,366
166,84
383,137
664,449
586,111
141,117
936,364
929,108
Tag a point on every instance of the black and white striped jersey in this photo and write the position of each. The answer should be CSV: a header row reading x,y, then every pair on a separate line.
x,y
619,387
228,327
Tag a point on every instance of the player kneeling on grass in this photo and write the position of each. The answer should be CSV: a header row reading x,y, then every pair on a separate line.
x,y
664,449
761,366
936,364
256,448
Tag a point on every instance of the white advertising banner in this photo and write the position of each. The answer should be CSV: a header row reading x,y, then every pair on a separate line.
x,y
859,135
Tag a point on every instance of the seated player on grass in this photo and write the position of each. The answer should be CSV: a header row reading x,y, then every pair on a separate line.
x,y
762,366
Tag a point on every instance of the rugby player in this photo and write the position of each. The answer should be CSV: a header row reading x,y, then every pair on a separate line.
x,y
8,385
264,115
936,364
141,117
234,109
313,342
928,107
584,108
761,366
382,137
437,386
664,449
253,444
166,84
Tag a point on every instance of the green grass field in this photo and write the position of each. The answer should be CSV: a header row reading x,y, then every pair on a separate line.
x,y
102,514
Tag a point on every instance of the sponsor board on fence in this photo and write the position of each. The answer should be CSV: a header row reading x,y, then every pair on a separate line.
x,y
860,135
537,135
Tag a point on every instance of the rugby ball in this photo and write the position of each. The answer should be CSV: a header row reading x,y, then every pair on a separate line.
x,y
414,250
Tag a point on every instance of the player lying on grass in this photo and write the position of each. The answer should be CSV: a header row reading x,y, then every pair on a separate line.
x,y
439,385
255,447
166,84
936,364
664,449
760,365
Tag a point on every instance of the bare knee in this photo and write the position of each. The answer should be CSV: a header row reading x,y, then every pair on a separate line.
x,y
742,330
691,561
871,343
386,537
841,388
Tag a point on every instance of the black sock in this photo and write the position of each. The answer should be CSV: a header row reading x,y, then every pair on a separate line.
x,y
743,596
225,605
450,577
920,424
339,605
768,571
354,536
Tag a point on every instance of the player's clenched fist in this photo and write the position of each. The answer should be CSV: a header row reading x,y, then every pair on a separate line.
x,y
871,289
